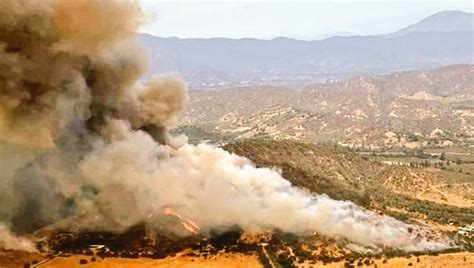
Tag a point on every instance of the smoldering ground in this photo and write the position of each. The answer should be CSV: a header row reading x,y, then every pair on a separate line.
x,y
98,155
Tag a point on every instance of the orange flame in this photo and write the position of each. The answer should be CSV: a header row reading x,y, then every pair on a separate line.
x,y
187,223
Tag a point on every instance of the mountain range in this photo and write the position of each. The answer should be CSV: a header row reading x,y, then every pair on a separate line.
x,y
441,39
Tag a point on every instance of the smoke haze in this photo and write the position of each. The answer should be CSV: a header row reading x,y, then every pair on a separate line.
x,y
69,75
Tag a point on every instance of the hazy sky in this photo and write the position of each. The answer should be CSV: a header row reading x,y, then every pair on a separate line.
x,y
297,19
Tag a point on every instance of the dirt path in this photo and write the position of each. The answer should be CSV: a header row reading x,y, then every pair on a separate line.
x,y
431,190
447,198
268,257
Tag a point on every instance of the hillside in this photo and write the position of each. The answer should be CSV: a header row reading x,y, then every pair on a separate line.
x,y
403,110
344,175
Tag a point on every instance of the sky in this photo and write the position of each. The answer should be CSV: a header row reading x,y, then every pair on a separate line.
x,y
306,20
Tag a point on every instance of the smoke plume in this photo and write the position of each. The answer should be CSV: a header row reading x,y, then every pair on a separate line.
x,y
10,241
98,152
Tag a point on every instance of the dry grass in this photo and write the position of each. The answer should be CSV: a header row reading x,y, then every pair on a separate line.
x,y
14,259
221,260
454,260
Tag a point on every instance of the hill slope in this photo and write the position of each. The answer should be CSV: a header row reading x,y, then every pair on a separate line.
x,y
408,109
346,176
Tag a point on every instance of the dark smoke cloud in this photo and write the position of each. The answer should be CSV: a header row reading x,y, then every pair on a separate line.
x,y
67,69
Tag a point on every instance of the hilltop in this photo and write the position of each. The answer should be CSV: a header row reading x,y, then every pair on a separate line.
x,y
444,21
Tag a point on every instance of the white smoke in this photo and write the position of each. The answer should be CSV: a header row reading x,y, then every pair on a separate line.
x,y
217,189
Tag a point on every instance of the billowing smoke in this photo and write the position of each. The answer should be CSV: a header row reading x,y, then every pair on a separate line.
x,y
220,190
98,153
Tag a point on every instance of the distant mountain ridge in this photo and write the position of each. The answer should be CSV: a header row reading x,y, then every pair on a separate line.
x,y
445,21
224,63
